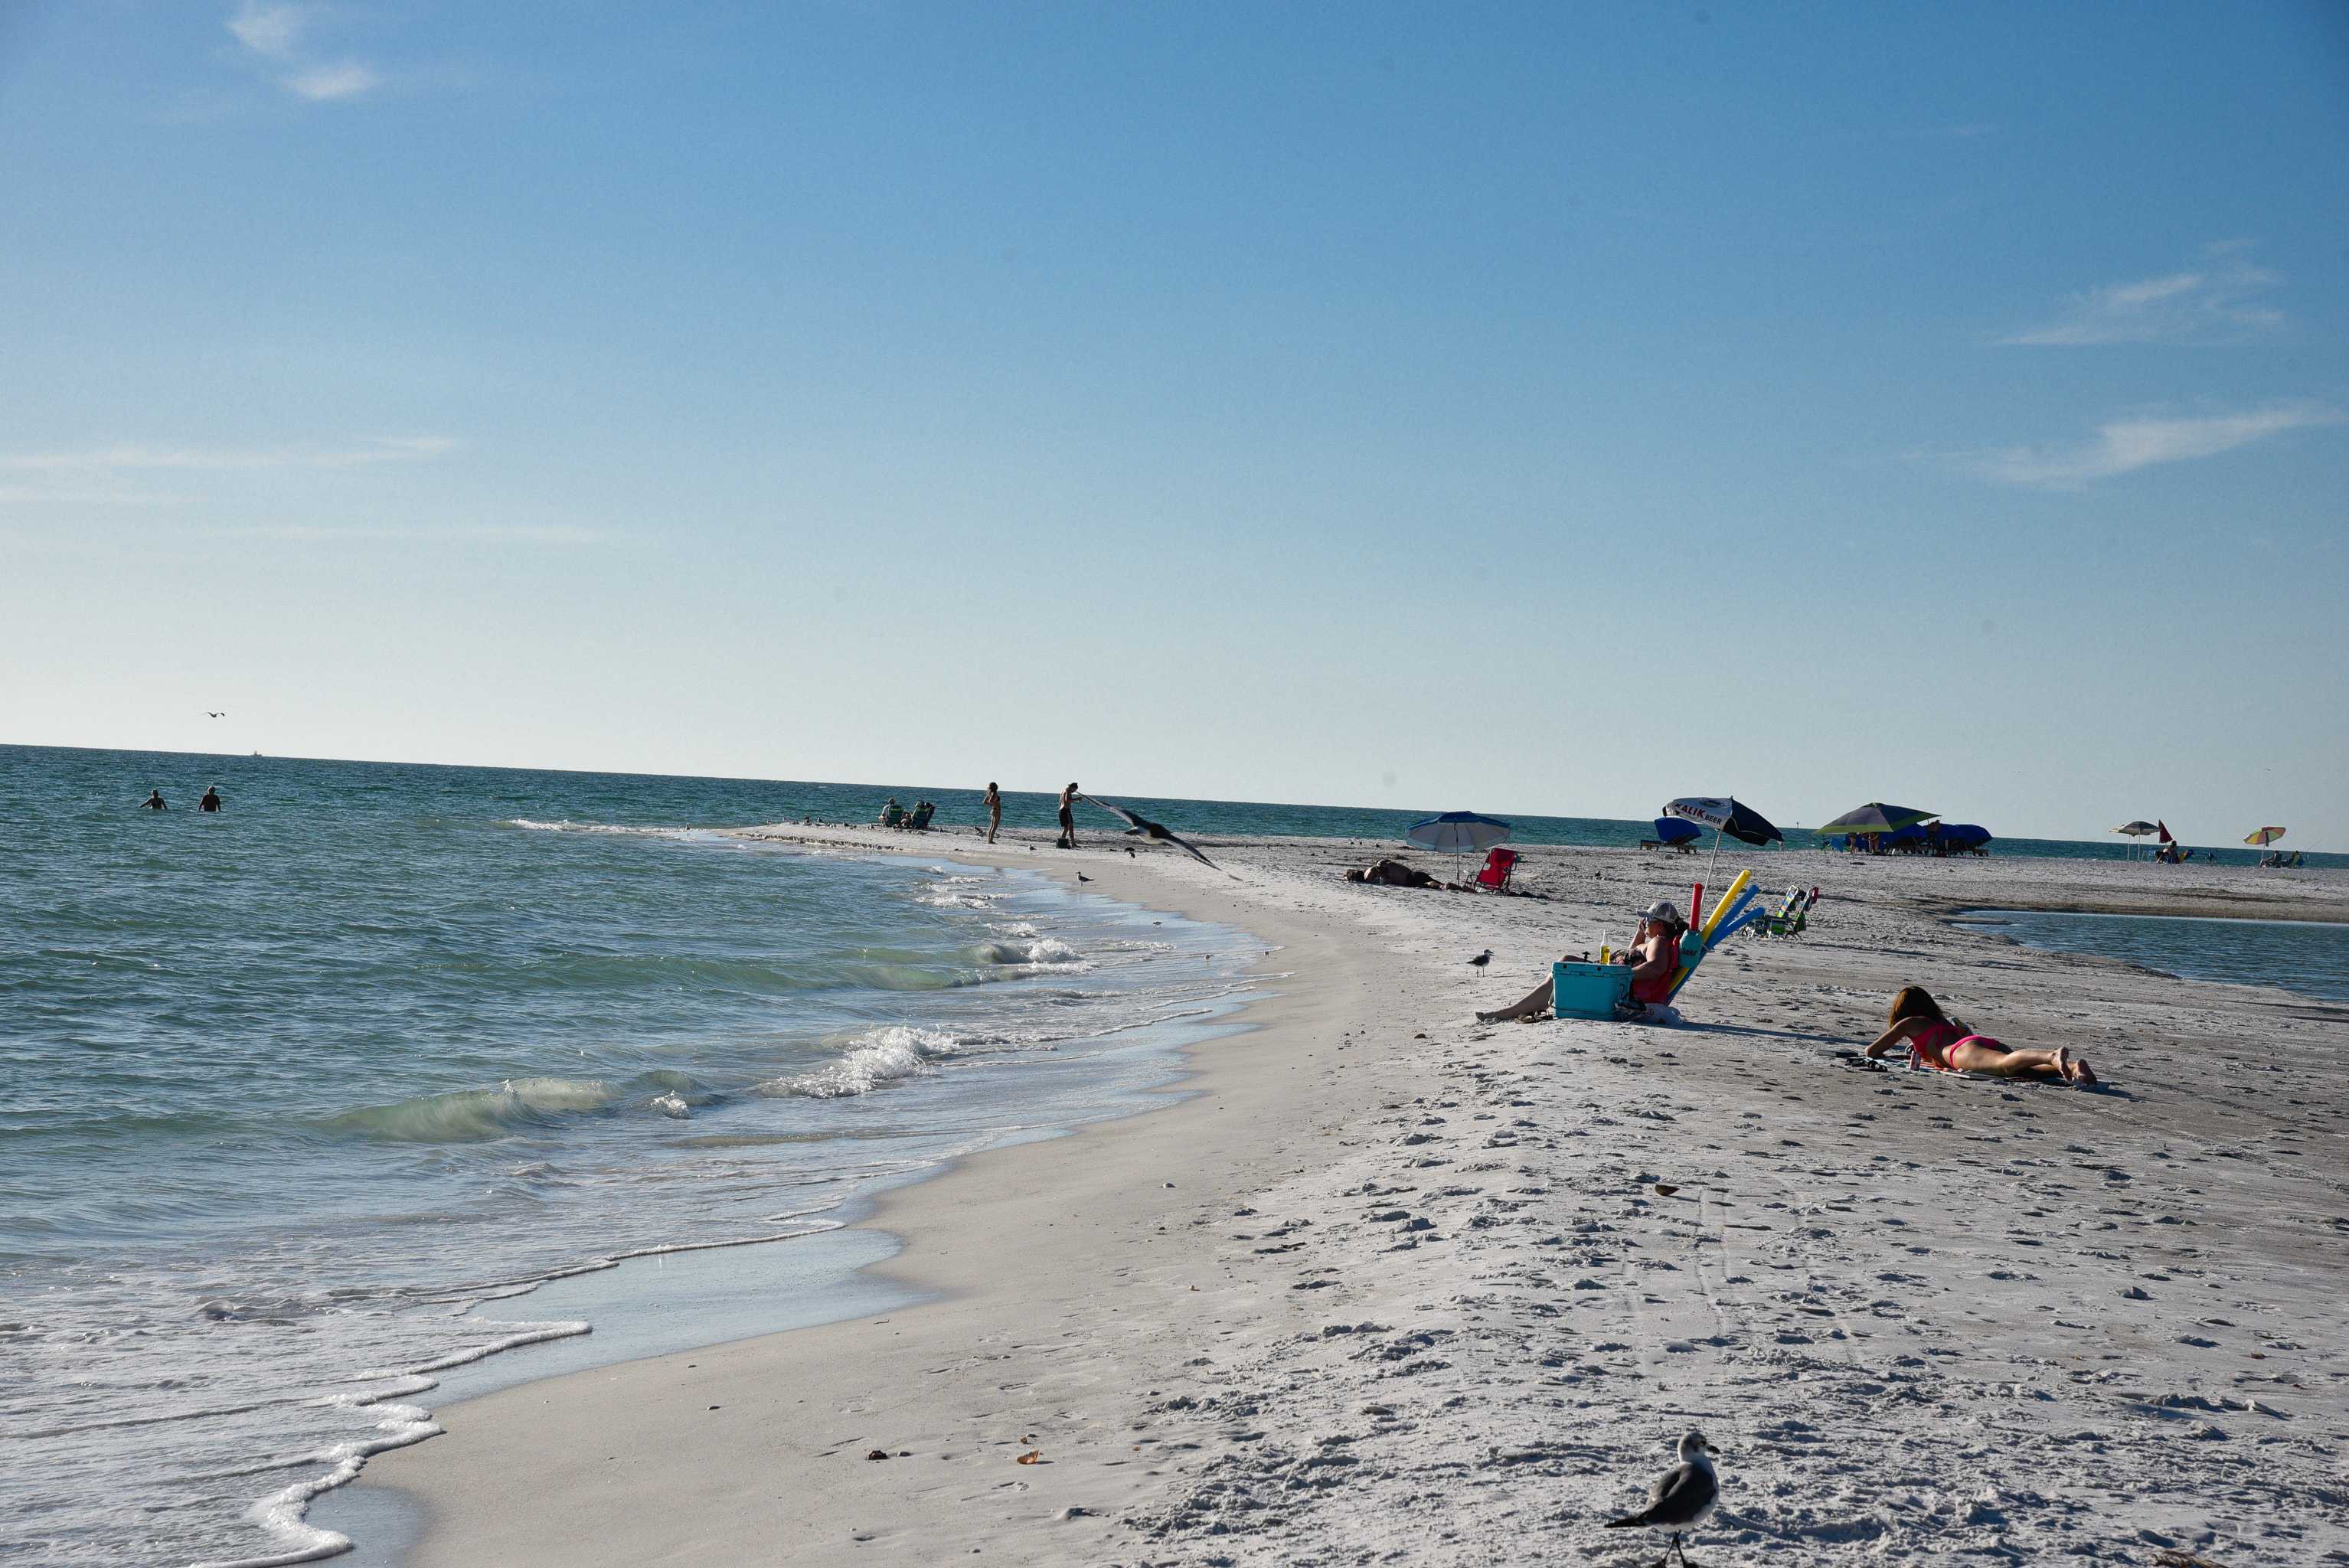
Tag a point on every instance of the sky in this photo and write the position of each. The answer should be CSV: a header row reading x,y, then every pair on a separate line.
x,y
1542,408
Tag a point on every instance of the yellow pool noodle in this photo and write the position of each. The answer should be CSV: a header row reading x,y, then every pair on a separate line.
x,y
1720,907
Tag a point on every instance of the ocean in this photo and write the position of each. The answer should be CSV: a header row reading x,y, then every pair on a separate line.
x,y
305,1105
2310,957
301,1102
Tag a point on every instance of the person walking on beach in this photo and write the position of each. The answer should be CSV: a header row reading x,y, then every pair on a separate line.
x,y
994,804
1946,1045
154,802
1068,839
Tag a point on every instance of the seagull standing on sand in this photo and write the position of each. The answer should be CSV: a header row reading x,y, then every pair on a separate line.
x,y
1157,832
1481,959
1684,1495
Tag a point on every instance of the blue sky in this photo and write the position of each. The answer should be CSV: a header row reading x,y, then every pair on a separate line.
x,y
1543,409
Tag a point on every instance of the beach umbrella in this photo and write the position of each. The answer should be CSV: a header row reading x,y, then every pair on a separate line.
x,y
1673,831
2261,838
1964,835
1458,834
1875,817
2136,830
1724,814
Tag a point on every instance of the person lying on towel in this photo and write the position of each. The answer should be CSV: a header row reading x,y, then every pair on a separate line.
x,y
1944,1044
1391,873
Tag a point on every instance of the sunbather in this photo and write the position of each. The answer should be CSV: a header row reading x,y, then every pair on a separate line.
x,y
1391,873
1945,1043
1654,956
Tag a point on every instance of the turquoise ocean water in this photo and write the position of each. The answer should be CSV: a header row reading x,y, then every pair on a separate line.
x,y
285,1091
301,1103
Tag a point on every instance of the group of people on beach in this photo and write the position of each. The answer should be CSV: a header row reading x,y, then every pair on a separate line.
x,y
916,820
155,801
1916,1022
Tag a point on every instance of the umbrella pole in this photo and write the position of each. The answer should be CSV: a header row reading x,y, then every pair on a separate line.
x,y
1715,856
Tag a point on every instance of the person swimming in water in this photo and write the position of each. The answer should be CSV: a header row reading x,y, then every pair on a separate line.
x,y
1946,1045
212,801
154,802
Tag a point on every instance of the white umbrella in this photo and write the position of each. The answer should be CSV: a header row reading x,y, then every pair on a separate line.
x,y
1458,834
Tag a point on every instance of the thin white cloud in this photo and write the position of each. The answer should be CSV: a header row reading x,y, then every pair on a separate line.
x,y
324,84
2125,446
495,533
273,32
131,455
2217,302
277,35
84,495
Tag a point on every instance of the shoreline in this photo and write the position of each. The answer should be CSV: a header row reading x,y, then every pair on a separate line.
x,y
1183,1382
921,1267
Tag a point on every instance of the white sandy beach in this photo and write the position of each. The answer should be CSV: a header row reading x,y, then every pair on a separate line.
x,y
1381,1284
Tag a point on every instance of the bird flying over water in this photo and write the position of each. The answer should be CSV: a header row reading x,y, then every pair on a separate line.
x,y
1158,832
1684,1495
209,714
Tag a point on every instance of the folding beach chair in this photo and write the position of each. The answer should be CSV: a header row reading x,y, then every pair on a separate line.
x,y
1495,874
1790,918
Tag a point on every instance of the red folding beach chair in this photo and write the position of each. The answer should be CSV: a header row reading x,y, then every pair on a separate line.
x,y
1498,865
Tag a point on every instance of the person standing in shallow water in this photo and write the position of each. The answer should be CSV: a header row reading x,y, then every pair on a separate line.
x,y
1067,839
154,802
994,804
212,801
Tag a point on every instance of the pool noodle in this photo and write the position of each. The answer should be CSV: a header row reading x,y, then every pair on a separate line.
x,y
1740,923
1736,889
1726,899
1735,904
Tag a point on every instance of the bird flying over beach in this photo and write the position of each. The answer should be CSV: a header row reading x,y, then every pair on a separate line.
x,y
209,714
1684,1495
1155,830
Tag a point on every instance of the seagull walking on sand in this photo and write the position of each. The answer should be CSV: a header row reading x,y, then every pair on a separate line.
x,y
1684,1495
1157,832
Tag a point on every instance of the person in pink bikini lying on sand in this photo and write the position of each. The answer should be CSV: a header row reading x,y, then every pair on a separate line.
x,y
1945,1043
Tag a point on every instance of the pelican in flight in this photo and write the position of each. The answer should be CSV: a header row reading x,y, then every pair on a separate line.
x,y
1157,832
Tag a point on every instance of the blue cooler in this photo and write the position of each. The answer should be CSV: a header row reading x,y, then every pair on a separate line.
x,y
1587,990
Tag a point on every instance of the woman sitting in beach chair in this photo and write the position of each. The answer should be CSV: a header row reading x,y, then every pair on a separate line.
x,y
1936,1040
1654,956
